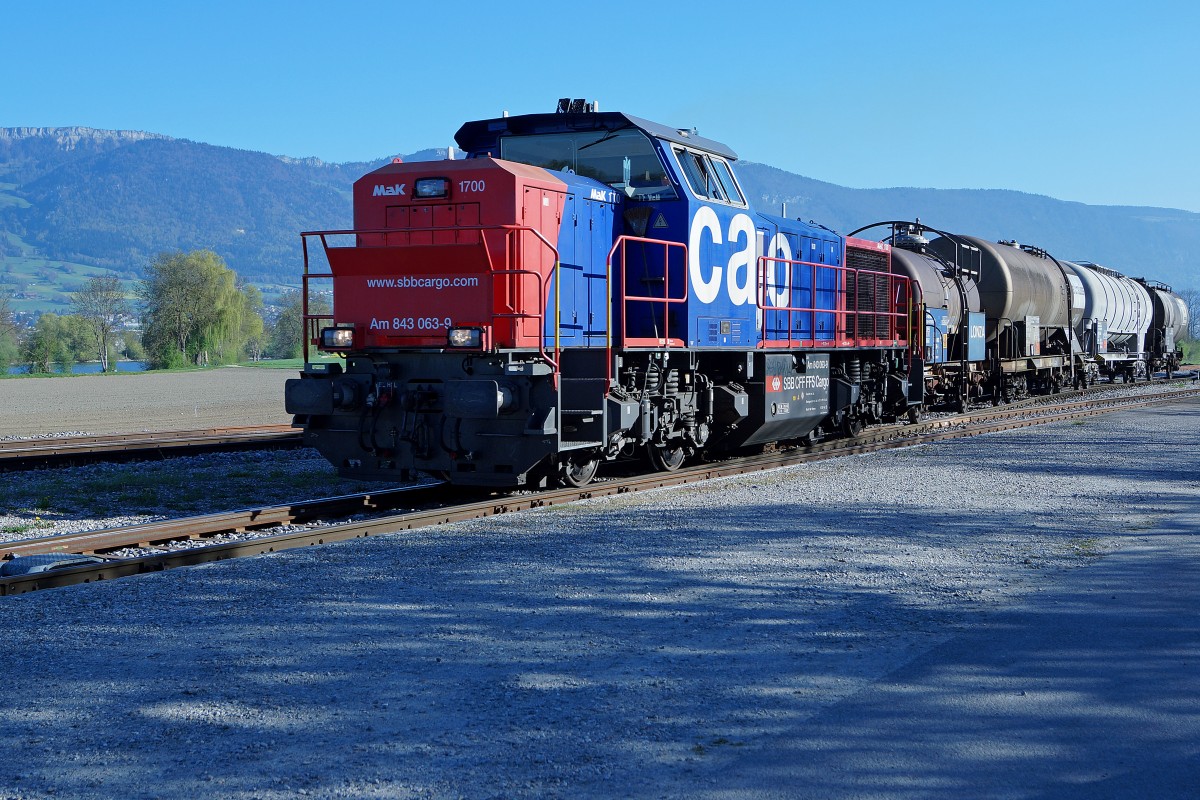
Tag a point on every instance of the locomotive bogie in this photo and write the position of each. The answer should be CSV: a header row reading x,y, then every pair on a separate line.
x,y
499,420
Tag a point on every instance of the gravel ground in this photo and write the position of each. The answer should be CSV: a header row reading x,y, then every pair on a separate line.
x,y
763,637
59,500
130,402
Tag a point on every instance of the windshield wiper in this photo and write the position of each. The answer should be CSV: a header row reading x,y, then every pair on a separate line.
x,y
602,139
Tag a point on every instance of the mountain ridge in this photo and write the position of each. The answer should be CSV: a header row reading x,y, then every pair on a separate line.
x,y
116,198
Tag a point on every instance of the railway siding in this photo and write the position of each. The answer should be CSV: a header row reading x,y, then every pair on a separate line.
x,y
196,540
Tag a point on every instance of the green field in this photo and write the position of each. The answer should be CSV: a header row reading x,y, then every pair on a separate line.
x,y
11,200
38,284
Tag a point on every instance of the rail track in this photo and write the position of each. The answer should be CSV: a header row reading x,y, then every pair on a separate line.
x,y
31,453
192,538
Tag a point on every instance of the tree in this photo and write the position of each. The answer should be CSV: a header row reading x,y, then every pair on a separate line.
x,y
8,333
193,311
130,345
287,334
253,333
179,295
101,303
1191,298
7,325
56,340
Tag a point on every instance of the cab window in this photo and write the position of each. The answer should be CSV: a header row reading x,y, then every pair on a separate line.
x,y
624,159
728,182
709,177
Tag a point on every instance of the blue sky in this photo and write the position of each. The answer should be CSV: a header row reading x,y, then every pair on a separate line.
x,y
1097,102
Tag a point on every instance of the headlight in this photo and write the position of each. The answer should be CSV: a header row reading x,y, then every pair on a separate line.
x,y
465,337
337,338
430,188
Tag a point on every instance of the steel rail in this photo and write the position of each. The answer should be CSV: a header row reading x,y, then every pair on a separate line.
x,y
161,532
26,452
891,438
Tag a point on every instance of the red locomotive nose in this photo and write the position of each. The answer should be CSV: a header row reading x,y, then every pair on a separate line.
x,y
447,245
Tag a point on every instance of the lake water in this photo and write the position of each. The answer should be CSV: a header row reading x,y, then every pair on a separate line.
x,y
88,368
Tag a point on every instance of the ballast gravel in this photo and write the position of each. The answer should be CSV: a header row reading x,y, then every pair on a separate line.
x,y
61,500
787,634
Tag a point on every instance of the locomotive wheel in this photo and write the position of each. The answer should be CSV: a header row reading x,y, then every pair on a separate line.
x,y
579,470
665,457
914,414
852,426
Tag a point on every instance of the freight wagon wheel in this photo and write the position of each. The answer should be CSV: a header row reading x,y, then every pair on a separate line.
x,y
579,469
665,457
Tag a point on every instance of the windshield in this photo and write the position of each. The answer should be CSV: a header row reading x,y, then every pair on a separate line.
x,y
626,160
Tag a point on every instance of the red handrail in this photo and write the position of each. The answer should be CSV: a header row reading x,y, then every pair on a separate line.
x,y
666,300
509,231
847,316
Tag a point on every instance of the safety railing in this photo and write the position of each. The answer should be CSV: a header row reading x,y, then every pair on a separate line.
x,y
311,323
851,317
658,303
514,307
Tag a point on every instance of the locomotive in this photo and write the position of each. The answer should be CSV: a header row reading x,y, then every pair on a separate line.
x,y
585,286
1004,320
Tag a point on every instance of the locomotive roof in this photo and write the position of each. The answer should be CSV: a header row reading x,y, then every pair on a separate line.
x,y
485,133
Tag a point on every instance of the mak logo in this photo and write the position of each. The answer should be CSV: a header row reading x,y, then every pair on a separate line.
x,y
395,190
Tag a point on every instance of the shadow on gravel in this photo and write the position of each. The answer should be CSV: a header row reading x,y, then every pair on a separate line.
x,y
831,648
1095,693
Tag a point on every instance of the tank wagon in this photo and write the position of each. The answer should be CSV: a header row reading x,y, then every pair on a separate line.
x,y
1168,326
1004,320
585,286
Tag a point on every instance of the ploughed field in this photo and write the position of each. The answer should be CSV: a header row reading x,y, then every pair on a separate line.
x,y
125,403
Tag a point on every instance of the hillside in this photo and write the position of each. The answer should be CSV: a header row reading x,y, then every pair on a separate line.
x,y
115,199
1158,243
76,199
